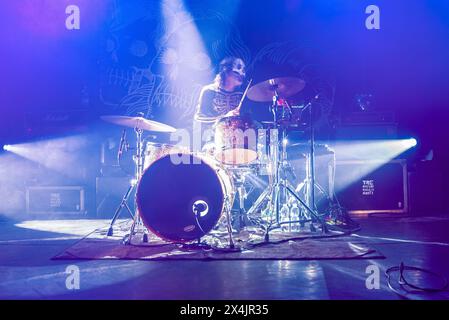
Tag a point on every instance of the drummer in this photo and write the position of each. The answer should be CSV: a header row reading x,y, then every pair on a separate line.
x,y
221,98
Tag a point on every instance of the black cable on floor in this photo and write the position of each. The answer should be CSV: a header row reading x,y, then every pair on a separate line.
x,y
406,285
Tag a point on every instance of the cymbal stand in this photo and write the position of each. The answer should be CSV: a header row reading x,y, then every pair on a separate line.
x,y
311,170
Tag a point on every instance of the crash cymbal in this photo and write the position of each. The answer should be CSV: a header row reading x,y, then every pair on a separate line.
x,y
285,87
139,123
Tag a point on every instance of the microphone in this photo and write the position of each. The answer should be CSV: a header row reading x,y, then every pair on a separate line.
x,y
122,145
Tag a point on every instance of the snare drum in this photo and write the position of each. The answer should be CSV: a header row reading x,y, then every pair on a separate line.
x,y
236,140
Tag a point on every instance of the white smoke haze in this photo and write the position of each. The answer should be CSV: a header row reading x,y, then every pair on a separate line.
x,y
15,173
52,162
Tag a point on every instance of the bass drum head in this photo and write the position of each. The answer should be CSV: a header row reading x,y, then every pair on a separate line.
x,y
169,193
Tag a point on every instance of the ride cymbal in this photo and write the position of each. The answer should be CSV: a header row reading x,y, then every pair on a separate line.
x,y
285,87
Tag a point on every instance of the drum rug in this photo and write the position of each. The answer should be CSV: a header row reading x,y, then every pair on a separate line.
x,y
249,245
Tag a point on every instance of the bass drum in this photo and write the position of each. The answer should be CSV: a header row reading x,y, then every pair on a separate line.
x,y
181,202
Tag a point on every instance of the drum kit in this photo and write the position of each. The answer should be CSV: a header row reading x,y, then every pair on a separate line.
x,y
182,196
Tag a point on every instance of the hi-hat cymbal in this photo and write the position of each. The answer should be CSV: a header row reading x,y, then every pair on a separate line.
x,y
139,123
284,86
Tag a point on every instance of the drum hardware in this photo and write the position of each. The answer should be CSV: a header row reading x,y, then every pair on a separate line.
x,y
228,208
239,176
139,124
310,168
312,157
306,184
241,192
335,214
280,185
138,160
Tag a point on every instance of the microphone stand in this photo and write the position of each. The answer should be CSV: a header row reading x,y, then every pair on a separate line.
x,y
139,168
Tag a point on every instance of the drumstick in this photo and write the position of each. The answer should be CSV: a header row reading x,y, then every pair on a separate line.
x,y
244,95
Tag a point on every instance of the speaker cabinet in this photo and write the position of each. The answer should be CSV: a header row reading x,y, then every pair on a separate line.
x,y
370,186
44,200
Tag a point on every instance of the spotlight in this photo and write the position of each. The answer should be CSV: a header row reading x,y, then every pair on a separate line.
x,y
57,154
379,152
7,147
409,143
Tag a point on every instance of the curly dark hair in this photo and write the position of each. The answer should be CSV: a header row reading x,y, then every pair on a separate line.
x,y
225,65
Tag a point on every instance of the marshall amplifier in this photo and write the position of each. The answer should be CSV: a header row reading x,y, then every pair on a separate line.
x,y
55,200
371,186
51,121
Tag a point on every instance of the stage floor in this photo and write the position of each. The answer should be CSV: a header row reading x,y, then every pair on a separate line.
x,y
27,271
